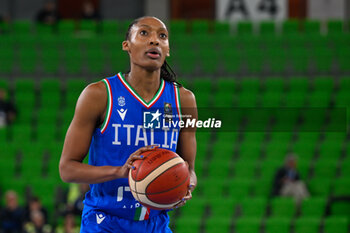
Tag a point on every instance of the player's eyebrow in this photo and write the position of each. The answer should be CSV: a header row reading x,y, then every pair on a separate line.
x,y
145,25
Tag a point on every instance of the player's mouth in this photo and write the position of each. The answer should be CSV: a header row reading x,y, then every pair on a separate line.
x,y
153,53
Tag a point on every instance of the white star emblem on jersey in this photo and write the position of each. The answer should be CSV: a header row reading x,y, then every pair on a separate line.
x,y
100,218
156,115
122,113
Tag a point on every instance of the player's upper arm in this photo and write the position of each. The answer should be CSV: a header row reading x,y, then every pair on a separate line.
x,y
187,146
188,103
89,113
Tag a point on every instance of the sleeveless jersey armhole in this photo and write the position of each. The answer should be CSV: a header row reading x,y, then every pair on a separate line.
x,y
177,101
109,106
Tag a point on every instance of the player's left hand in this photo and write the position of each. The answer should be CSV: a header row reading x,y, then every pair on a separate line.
x,y
188,196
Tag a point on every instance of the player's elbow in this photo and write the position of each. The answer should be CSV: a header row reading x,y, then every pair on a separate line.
x,y
65,173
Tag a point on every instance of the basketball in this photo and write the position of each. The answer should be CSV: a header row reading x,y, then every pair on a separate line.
x,y
160,180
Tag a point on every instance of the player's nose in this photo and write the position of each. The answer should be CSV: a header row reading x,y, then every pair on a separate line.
x,y
153,39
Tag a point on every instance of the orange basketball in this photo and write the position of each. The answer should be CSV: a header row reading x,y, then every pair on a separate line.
x,y
160,180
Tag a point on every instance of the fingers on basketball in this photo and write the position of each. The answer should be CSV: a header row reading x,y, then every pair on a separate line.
x,y
137,155
145,148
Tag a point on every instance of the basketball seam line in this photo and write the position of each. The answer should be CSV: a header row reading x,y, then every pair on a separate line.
x,y
164,190
137,172
167,190
151,171
138,198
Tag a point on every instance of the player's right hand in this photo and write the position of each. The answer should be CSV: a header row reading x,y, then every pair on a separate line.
x,y
124,170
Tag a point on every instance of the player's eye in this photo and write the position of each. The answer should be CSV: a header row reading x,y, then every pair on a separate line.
x,y
163,35
143,33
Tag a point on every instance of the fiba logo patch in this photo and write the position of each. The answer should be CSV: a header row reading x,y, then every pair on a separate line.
x,y
168,112
167,108
151,120
121,101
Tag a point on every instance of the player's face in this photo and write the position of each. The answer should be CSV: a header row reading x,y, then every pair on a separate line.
x,y
148,44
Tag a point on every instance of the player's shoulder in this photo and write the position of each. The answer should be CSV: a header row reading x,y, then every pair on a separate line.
x,y
94,97
96,89
187,97
185,93
92,102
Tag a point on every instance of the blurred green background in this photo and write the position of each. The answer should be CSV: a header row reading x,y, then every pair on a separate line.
x,y
294,65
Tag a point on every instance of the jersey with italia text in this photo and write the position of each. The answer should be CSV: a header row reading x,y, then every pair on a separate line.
x,y
130,123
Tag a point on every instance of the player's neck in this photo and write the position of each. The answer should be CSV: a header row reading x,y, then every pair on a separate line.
x,y
145,83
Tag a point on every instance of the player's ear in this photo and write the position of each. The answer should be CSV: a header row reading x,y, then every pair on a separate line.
x,y
168,53
125,46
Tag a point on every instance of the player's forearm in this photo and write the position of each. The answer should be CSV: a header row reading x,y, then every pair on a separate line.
x,y
193,178
76,172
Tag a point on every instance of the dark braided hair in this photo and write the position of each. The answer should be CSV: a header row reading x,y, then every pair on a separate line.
x,y
166,72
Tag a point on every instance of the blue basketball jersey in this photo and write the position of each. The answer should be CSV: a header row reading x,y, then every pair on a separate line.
x,y
130,123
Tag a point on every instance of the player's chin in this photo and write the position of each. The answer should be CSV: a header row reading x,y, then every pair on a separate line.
x,y
153,65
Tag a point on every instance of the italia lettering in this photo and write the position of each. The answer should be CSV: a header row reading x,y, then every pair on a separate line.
x,y
139,136
116,141
173,141
152,137
128,133
165,145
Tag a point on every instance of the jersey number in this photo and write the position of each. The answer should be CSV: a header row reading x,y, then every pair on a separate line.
x,y
121,191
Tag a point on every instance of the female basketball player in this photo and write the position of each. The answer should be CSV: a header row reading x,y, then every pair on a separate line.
x,y
111,123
